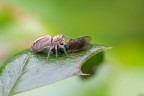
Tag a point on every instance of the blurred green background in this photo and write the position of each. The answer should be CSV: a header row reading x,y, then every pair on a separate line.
x,y
116,23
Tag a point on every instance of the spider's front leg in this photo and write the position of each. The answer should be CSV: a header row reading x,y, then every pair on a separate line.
x,y
63,47
65,36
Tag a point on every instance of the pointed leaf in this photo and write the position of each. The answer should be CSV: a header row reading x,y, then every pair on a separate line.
x,y
26,71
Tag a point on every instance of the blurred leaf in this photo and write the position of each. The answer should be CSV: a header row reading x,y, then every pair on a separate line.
x,y
27,71
5,19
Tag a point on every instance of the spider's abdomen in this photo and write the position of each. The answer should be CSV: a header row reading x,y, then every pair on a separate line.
x,y
41,43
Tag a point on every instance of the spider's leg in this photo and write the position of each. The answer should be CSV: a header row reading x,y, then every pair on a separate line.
x,y
65,39
62,46
49,52
56,51
65,36
65,52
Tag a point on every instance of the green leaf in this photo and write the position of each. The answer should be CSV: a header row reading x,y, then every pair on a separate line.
x,y
92,64
26,71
